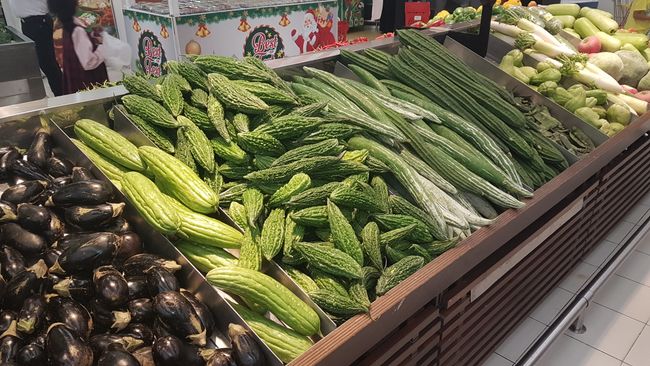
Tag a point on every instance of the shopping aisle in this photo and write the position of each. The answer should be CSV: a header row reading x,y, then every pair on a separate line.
x,y
617,320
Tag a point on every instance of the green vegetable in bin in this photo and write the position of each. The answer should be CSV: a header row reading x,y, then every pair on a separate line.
x,y
546,75
543,66
618,113
611,129
507,65
547,88
578,100
517,57
602,112
599,94
588,115
562,96
530,72
591,102
575,88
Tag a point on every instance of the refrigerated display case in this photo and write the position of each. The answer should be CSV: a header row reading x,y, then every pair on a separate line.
x,y
267,30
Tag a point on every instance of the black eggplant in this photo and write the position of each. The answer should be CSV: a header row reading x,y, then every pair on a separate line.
x,y
10,343
62,181
8,212
85,256
78,288
130,246
118,226
87,192
40,150
11,261
65,348
50,281
141,310
76,238
245,350
56,230
171,351
161,280
7,161
32,314
29,171
117,358
137,287
202,311
110,286
160,329
108,319
74,315
179,316
32,354
140,331
24,285
140,263
27,243
101,343
90,217
144,356
221,357
79,174
58,167
33,217
6,317
3,289
24,192
51,256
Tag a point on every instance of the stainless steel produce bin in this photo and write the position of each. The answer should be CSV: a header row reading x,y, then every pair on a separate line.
x,y
20,75
19,127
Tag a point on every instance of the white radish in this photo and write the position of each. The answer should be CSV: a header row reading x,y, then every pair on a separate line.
x,y
507,29
616,99
639,106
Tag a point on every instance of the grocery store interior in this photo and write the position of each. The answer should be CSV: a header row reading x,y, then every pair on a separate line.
x,y
325,182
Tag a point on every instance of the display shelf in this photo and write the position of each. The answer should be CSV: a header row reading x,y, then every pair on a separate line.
x,y
452,310
19,128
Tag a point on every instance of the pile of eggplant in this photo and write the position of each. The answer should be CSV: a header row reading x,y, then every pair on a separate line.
x,y
76,287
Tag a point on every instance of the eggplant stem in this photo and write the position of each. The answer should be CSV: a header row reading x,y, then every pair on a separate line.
x,y
198,339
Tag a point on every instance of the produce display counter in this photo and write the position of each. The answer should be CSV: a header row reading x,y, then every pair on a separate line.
x,y
20,79
460,306
19,123
267,30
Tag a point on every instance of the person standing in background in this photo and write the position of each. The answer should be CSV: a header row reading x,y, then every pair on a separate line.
x,y
83,53
37,24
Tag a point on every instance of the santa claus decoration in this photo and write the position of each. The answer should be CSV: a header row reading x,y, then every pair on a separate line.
x,y
325,20
306,38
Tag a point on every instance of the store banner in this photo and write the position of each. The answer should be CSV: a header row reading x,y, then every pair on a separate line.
x,y
266,33
151,41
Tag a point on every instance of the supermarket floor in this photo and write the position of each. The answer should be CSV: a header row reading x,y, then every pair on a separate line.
x,y
617,319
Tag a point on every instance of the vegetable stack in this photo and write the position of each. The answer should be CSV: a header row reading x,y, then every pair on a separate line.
x,y
77,283
310,171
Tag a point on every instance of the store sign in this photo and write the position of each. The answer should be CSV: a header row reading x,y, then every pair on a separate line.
x,y
265,43
151,54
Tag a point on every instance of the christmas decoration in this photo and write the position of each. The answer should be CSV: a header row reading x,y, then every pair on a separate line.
x,y
163,32
284,20
151,54
136,25
192,48
202,31
243,24
265,43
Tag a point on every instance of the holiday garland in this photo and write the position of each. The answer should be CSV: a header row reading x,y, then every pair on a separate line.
x,y
143,17
252,13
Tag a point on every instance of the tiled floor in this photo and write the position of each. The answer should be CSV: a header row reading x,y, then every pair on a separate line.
x,y
617,319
